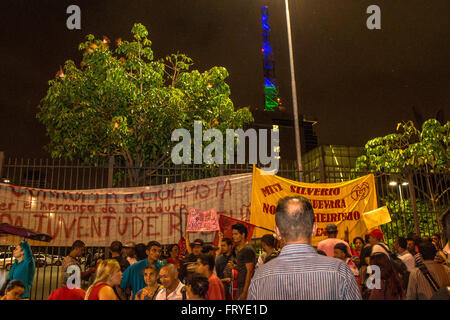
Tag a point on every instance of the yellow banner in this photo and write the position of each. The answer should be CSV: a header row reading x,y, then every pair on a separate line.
x,y
341,203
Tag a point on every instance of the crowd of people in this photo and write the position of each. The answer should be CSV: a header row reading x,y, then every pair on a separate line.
x,y
289,269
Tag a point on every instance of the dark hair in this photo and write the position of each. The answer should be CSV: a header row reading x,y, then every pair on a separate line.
x,y
437,235
228,241
151,267
362,240
321,252
116,246
269,240
343,248
199,284
412,237
388,273
427,249
402,242
241,228
11,284
153,244
208,260
140,251
77,244
293,220
365,253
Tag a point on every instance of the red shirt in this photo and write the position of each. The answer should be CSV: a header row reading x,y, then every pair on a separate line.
x,y
216,289
95,291
174,262
65,293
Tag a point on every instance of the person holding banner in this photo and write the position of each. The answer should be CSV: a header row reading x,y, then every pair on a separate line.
x,y
188,263
24,267
299,272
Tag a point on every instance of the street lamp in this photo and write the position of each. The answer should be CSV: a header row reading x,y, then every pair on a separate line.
x,y
400,184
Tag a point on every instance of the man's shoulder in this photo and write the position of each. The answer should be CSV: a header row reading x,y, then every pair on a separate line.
x,y
318,263
248,248
137,265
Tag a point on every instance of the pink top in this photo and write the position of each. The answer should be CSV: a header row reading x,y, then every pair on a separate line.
x,y
327,246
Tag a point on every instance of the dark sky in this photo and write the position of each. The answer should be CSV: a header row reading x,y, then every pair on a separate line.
x,y
356,82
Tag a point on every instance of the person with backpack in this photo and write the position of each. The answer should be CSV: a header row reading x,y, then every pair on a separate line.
x,y
429,277
390,282
376,240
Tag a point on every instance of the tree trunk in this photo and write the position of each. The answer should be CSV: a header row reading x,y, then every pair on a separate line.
x,y
433,201
414,204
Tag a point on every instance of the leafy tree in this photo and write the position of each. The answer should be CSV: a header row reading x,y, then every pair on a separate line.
x,y
123,102
411,151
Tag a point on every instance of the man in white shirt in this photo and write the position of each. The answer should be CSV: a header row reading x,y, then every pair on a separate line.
x,y
401,245
173,288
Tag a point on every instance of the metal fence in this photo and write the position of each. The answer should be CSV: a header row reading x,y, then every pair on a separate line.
x,y
65,175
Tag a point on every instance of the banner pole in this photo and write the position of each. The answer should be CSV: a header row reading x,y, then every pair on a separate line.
x,y
264,228
181,224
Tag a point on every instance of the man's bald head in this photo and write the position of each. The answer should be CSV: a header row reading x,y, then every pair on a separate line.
x,y
171,269
295,218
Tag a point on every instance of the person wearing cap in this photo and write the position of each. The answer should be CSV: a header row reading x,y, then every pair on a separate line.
x,y
340,252
189,262
327,245
376,240
130,252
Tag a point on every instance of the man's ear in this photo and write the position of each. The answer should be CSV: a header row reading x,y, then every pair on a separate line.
x,y
277,233
314,230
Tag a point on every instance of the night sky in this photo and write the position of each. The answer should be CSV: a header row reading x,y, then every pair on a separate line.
x,y
357,83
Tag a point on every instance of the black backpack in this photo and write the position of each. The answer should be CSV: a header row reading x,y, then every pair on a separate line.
x,y
399,266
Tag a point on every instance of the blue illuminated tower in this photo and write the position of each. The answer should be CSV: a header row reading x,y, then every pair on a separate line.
x,y
271,95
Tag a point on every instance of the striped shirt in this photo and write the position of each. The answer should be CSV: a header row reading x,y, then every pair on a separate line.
x,y
300,273
418,286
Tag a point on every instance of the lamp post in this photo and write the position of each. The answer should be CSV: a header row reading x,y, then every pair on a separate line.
x,y
294,95
402,207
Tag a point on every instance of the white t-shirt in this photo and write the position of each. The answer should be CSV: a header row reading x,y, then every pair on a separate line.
x,y
379,247
176,295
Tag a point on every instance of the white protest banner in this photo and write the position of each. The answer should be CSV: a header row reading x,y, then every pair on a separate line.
x,y
100,216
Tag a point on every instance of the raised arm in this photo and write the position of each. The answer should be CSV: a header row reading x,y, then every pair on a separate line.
x,y
188,245
27,253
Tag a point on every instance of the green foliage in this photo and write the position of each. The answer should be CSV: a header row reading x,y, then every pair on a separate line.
x,y
403,219
407,153
122,102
